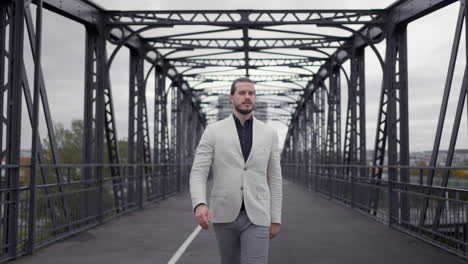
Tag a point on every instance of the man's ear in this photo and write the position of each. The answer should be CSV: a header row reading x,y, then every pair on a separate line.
x,y
230,99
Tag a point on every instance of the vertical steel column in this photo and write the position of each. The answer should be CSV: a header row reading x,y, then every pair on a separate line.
x,y
306,142
136,147
96,79
173,140
395,87
13,128
91,84
355,141
35,133
160,124
5,21
403,140
102,77
311,162
389,85
320,132
302,141
147,170
113,151
333,141
140,149
295,157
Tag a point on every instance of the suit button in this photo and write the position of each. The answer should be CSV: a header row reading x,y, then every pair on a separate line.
x,y
245,168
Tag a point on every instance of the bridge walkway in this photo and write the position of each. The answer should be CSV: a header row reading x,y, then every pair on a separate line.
x,y
315,230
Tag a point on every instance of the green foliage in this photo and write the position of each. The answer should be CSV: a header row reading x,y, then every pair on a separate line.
x,y
70,145
69,150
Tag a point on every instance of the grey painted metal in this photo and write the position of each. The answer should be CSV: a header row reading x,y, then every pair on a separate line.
x,y
35,133
266,62
252,44
445,98
49,124
257,78
4,81
99,132
91,83
355,140
13,126
244,17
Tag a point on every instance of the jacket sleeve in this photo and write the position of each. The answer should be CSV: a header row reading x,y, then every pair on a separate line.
x,y
200,168
275,181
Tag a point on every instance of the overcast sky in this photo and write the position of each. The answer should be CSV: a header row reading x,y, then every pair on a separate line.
x,y
429,46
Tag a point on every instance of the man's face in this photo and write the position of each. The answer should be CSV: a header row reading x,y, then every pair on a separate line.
x,y
244,97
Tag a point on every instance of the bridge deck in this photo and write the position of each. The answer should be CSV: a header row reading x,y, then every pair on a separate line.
x,y
314,230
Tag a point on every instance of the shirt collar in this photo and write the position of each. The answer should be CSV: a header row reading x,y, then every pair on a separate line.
x,y
248,121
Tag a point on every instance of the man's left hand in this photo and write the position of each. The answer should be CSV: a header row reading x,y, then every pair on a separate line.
x,y
274,230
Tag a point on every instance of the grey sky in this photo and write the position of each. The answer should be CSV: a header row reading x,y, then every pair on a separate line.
x,y
429,45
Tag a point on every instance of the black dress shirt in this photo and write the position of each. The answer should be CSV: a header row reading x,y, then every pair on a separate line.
x,y
245,139
245,135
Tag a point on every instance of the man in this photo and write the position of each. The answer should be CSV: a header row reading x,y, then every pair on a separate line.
x,y
247,191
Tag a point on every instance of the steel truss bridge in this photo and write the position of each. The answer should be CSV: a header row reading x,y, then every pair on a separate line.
x,y
301,69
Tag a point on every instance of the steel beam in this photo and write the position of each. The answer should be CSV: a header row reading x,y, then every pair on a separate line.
x,y
13,126
240,18
257,78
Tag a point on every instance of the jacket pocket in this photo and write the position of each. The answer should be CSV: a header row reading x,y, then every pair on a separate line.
x,y
263,196
218,193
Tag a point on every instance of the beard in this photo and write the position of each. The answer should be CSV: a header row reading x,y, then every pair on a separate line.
x,y
243,111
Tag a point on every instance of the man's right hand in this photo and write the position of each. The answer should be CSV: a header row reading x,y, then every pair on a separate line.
x,y
202,215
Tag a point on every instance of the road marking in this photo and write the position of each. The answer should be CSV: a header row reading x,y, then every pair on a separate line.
x,y
184,246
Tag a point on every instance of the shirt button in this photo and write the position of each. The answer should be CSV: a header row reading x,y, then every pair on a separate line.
x,y
245,168
242,188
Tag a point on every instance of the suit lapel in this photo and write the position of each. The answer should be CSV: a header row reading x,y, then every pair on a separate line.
x,y
255,136
233,131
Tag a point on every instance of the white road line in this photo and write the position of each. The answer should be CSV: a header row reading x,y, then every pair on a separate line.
x,y
184,246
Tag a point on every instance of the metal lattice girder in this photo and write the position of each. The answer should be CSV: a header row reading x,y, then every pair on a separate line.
x,y
244,17
160,85
11,57
266,62
355,137
253,43
258,92
94,73
12,86
138,149
393,115
161,144
334,117
257,78
174,140
113,151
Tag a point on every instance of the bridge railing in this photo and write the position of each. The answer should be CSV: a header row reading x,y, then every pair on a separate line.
x,y
433,213
84,196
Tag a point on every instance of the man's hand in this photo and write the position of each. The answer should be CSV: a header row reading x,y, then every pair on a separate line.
x,y
202,215
274,230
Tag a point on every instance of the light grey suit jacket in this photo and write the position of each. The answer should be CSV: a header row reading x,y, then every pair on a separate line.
x,y
257,181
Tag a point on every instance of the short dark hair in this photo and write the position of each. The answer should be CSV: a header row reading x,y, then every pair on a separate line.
x,y
238,80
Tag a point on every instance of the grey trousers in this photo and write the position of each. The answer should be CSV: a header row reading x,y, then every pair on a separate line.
x,y
242,242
